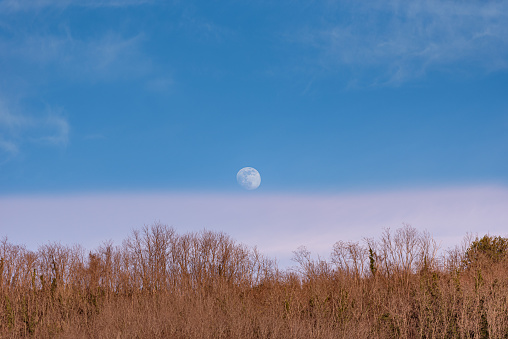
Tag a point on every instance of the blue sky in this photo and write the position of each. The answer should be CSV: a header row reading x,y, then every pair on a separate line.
x,y
322,97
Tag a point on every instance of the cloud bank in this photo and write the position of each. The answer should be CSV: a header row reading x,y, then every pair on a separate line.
x,y
277,224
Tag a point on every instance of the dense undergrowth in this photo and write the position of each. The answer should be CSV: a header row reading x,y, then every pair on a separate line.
x,y
159,284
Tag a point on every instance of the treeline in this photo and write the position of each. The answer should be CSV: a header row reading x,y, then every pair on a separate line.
x,y
161,284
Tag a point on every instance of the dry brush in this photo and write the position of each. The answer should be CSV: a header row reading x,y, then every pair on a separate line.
x,y
161,284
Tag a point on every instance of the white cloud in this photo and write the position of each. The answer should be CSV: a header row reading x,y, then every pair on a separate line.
x,y
403,39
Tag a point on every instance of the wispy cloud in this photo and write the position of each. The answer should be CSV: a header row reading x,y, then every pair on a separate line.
x,y
108,56
54,129
162,84
8,146
8,119
30,5
16,128
393,41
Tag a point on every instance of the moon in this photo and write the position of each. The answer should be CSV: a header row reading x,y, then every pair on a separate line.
x,y
248,178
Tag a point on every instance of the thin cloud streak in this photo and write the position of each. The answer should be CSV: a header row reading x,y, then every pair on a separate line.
x,y
277,224
108,56
32,5
60,128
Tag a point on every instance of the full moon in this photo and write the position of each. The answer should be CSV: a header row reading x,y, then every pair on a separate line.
x,y
248,178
